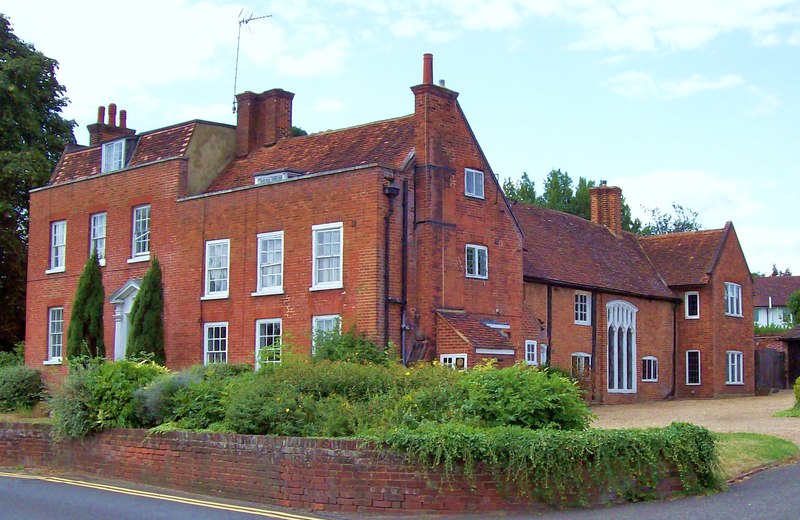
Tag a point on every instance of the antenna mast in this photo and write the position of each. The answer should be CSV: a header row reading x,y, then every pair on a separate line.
x,y
242,22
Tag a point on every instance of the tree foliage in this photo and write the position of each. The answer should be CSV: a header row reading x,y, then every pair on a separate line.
x,y
560,195
147,317
679,220
85,332
793,304
32,136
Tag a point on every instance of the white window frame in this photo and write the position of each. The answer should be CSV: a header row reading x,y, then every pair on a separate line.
x,y
475,192
450,360
475,250
270,178
733,299
316,285
58,247
55,336
208,293
276,347
699,368
734,367
579,310
97,236
531,352
654,362
686,297
143,237
621,315
261,240
206,339
584,363
113,156
315,326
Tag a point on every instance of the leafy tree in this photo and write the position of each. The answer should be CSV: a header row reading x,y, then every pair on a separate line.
x,y
757,274
524,190
793,304
681,219
32,136
298,132
778,272
147,317
85,332
558,192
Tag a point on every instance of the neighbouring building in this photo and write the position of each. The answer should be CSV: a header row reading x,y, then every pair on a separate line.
x,y
770,294
398,228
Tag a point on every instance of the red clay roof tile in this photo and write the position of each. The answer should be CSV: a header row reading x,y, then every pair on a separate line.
x,y
571,250
685,258
386,142
778,287
476,332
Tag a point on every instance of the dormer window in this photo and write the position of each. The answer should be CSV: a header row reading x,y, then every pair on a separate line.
x,y
113,156
272,177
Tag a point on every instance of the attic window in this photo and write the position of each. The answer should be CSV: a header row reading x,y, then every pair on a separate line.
x,y
269,178
113,156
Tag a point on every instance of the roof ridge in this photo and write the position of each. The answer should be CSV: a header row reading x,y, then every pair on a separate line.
x,y
682,233
362,125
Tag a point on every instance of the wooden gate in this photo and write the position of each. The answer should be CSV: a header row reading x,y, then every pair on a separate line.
x,y
794,360
770,369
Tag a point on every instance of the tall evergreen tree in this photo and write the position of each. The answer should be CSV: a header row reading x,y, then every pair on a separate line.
x,y
32,136
147,317
85,332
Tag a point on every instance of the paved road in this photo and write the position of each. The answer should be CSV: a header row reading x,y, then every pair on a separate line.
x,y
24,497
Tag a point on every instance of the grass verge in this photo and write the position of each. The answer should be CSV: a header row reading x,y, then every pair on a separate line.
x,y
791,412
743,452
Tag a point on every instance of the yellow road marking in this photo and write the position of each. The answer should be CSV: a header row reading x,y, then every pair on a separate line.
x,y
170,498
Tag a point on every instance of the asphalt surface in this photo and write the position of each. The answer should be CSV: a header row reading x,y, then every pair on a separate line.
x,y
24,497
773,494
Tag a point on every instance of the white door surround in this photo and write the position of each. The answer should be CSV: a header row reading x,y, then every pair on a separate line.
x,y
122,299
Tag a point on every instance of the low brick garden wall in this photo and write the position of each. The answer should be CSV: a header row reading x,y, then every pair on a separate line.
x,y
316,474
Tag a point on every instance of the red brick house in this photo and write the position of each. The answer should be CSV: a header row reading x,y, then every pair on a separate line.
x,y
639,317
398,228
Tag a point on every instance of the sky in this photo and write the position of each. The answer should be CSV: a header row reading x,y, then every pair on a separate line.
x,y
692,102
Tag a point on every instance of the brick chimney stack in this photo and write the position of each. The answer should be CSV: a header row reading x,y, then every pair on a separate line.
x,y
262,119
101,131
606,206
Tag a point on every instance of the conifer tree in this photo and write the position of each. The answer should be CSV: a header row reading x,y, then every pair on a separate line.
x,y
147,317
85,332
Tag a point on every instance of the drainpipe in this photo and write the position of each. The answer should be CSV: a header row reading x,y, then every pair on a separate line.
x,y
550,320
594,346
674,349
391,192
404,274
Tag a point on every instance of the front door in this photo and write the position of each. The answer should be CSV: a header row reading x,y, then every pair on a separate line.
x,y
122,299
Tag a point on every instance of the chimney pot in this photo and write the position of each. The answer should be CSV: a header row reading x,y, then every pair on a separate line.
x,y
427,69
101,114
112,114
441,83
123,118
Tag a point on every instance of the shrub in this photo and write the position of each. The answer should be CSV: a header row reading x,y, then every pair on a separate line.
x,y
147,316
200,403
71,406
14,357
560,466
111,387
797,393
323,378
350,346
523,396
154,403
20,387
85,332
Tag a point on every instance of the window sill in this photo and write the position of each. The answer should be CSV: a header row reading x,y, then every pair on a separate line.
x,y
694,384
214,297
56,361
474,196
621,391
692,317
326,287
270,292
55,270
733,384
472,277
583,323
101,262
137,259
649,380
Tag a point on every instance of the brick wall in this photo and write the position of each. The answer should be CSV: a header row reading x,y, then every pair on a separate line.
x,y
318,474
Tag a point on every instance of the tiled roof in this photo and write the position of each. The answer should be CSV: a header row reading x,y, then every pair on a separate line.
x,y
568,249
778,287
478,334
152,146
385,142
685,258
792,333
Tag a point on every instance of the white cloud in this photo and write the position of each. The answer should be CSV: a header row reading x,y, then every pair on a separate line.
x,y
643,85
328,105
765,103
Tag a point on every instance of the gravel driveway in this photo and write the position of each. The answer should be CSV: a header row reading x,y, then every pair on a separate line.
x,y
735,414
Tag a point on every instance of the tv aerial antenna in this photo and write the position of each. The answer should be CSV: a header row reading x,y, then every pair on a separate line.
x,y
243,22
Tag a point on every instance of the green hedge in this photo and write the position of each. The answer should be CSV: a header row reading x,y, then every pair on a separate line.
x,y
563,466
20,388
